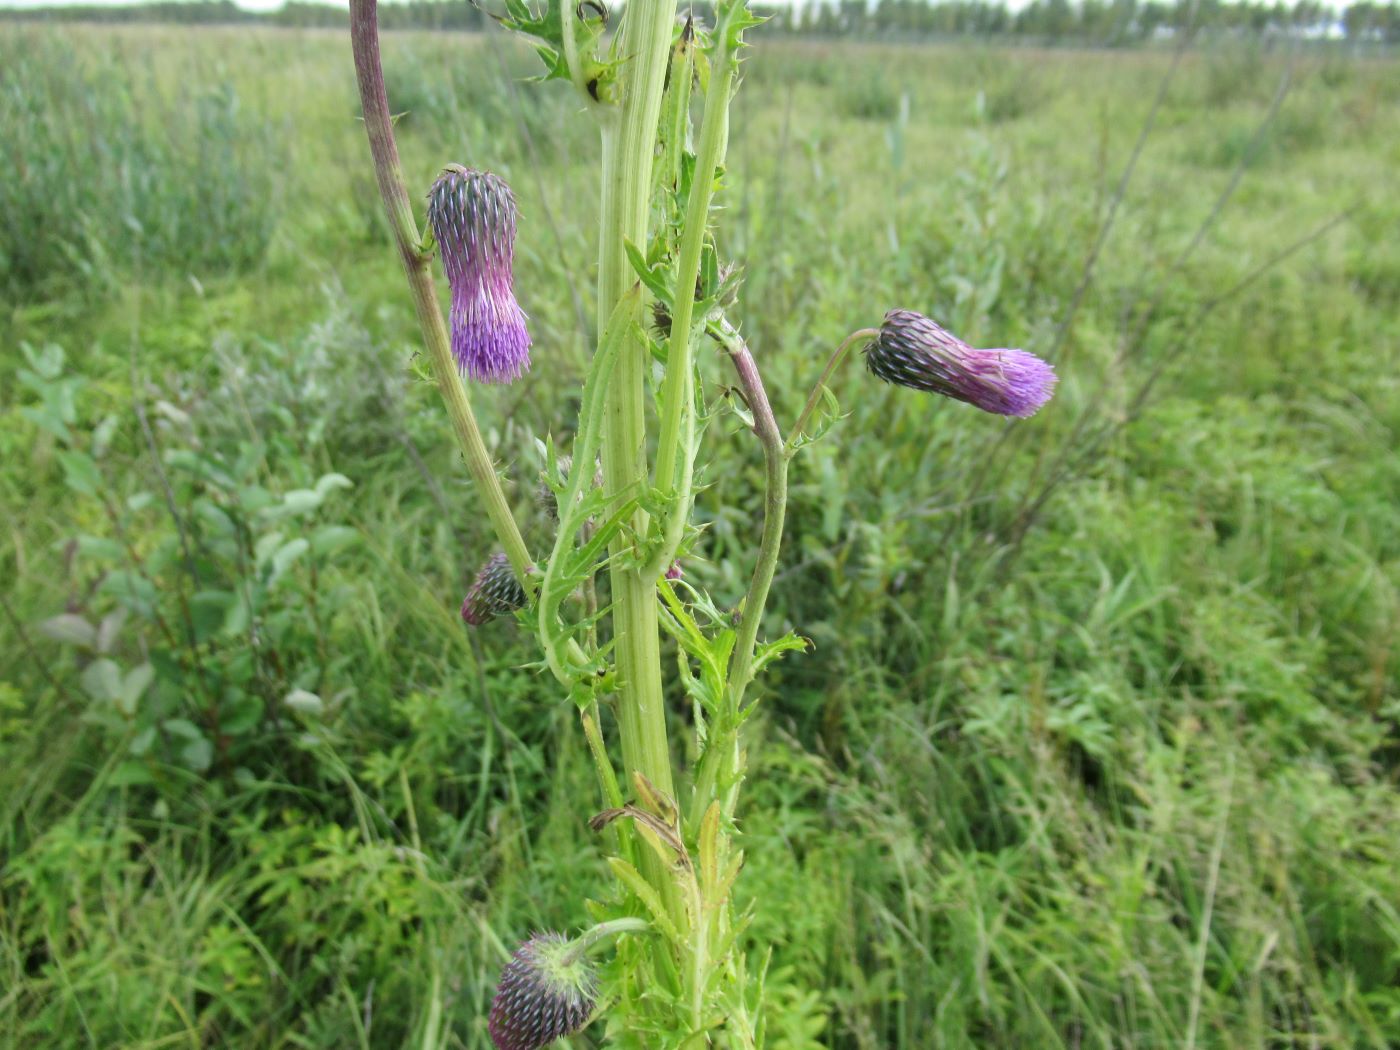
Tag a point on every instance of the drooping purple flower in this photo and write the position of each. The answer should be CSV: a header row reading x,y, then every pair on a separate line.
x,y
472,215
494,592
546,992
915,352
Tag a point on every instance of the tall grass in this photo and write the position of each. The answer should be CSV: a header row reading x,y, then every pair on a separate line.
x,y
112,171
1095,756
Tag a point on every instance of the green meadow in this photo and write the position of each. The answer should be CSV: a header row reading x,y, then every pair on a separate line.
x,y
1097,739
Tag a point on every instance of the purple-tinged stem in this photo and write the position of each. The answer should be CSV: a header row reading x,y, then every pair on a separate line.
x,y
775,461
374,101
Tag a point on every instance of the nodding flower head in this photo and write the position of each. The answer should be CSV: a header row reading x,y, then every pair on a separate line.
x,y
494,592
546,991
913,351
472,215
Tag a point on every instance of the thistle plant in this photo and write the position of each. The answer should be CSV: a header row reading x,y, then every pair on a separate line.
x,y
659,91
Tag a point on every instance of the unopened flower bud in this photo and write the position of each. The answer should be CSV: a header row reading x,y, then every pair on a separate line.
x,y
726,294
494,592
472,215
547,991
545,496
915,352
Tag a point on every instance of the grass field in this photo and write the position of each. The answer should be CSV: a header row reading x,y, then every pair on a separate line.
x,y
1097,743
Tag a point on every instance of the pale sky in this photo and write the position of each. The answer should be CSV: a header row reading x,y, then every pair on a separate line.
x,y
273,5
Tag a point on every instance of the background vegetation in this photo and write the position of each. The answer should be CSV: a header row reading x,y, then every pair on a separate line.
x,y
1097,742
1361,24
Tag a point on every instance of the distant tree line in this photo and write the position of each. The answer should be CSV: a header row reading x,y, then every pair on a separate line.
x,y
1108,22
416,14
1112,23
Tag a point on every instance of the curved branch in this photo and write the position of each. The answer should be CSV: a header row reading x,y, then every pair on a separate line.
x,y
374,101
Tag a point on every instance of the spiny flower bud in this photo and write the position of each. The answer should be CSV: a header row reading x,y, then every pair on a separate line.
x,y
494,592
546,991
726,294
661,317
912,351
545,496
472,215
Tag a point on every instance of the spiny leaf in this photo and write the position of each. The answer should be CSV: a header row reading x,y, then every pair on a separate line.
x,y
654,277
632,879
767,652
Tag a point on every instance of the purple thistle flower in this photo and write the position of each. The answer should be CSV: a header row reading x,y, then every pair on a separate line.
x,y
912,351
543,995
494,592
472,215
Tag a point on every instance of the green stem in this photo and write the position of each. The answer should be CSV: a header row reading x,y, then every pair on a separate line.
x,y
816,394
775,461
723,748
589,938
698,965
674,402
572,515
676,103
364,38
602,764
568,15
628,148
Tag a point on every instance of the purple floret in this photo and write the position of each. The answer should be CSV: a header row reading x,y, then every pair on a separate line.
x,y
473,216
913,351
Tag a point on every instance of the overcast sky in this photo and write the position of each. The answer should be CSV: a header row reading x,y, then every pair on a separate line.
x,y
272,5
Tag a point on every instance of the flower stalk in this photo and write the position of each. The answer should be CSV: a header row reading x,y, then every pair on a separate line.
x,y
720,764
677,435
374,101
814,398
628,148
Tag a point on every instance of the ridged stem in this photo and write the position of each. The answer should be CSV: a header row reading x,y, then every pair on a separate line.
x,y
722,754
374,101
629,141
775,462
677,390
